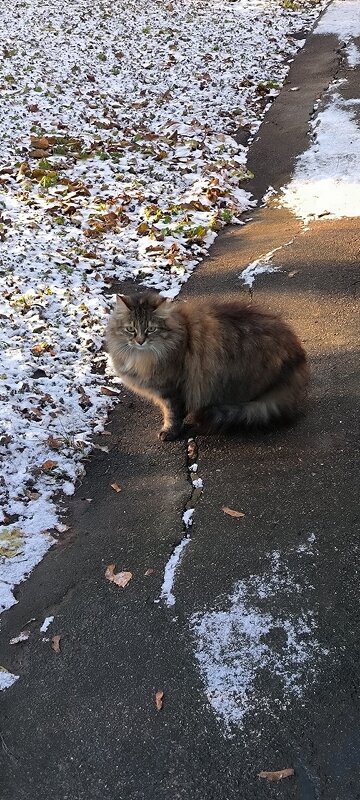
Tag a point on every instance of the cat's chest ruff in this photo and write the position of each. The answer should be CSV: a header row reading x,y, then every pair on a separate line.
x,y
139,367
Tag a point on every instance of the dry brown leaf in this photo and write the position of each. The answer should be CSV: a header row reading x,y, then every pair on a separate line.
x,y
55,643
149,572
53,442
116,487
277,776
120,578
37,153
41,143
33,107
109,392
48,465
192,449
159,700
232,513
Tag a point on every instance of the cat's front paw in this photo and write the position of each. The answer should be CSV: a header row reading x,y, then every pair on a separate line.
x,y
169,434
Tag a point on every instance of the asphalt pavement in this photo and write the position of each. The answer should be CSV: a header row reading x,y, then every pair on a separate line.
x,y
82,724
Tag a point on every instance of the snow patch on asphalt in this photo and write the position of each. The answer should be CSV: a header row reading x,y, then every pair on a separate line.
x,y
7,679
258,267
174,561
265,627
353,55
171,568
341,18
46,624
261,266
326,180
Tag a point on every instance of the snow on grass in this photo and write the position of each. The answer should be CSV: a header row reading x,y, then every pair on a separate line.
x,y
248,636
119,159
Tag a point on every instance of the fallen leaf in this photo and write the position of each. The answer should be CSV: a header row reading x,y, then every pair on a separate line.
x,y
116,487
192,449
11,542
22,637
48,465
54,443
232,513
38,153
159,700
109,392
149,572
120,578
33,107
55,643
41,143
277,776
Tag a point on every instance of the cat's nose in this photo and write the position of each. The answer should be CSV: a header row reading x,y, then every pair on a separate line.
x,y
140,339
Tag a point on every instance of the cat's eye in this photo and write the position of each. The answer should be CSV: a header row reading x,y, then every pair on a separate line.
x,y
130,329
151,329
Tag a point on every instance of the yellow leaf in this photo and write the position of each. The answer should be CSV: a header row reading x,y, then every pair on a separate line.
x,y
11,542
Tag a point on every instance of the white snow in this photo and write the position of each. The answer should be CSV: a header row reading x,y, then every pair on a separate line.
x,y
46,624
249,274
187,517
353,55
198,483
326,180
341,18
233,645
171,567
22,637
118,160
174,561
7,679
260,266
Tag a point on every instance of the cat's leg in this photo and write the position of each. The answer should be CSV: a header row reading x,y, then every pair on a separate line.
x,y
173,413
192,424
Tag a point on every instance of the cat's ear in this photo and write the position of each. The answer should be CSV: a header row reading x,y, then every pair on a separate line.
x,y
164,307
157,300
123,301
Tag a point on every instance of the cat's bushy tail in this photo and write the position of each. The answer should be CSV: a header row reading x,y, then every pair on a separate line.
x,y
284,401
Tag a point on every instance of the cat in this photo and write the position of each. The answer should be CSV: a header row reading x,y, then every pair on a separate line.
x,y
209,365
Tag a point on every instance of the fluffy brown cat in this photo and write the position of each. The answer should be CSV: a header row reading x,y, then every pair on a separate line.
x,y
208,364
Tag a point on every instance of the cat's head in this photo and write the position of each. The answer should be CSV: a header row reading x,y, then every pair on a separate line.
x,y
142,319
